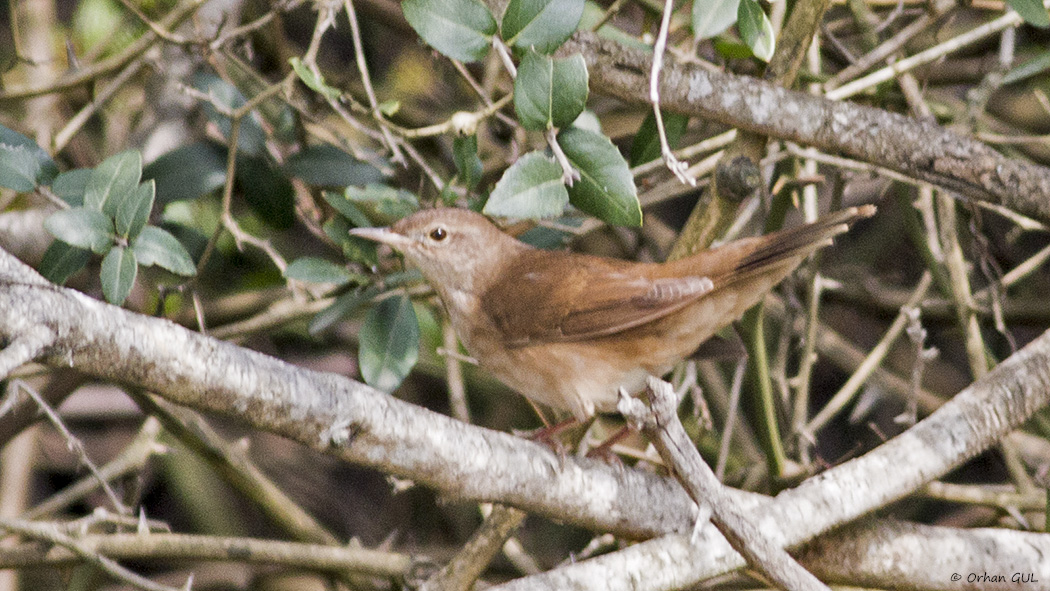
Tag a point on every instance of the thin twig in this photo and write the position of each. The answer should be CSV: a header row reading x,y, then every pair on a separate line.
x,y
131,459
366,80
1010,19
101,97
50,532
73,444
871,362
762,548
677,167
110,64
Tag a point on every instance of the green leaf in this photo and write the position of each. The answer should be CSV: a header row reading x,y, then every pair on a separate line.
x,y
69,186
465,155
646,145
343,306
315,270
314,82
61,261
550,92
18,168
251,139
606,188
82,227
355,249
1032,11
459,29
133,212
540,24
266,190
755,29
348,210
548,238
389,343
382,204
328,166
118,274
188,172
112,181
531,188
155,246
1033,67
713,17
46,169
732,49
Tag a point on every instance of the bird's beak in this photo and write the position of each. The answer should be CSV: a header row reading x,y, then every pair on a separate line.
x,y
383,236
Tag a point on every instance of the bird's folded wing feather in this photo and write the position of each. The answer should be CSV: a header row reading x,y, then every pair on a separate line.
x,y
588,298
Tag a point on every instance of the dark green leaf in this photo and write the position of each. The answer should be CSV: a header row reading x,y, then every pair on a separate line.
x,y
1032,11
459,29
547,238
606,188
191,239
18,168
112,181
118,274
47,169
343,306
188,172
61,261
315,270
732,49
362,251
70,186
155,246
712,17
755,29
133,212
540,24
465,154
82,227
348,210
550,92
531,188
1032,67
646,146
382,204
328,166
251,139
314,82
267,191
355,249
389,343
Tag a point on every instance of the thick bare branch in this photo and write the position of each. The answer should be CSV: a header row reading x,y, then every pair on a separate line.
x,y
919,149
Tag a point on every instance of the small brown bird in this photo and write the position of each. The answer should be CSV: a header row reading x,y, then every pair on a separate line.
x,y
570,330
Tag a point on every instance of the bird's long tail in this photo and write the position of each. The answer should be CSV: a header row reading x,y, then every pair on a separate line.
x,y
800,241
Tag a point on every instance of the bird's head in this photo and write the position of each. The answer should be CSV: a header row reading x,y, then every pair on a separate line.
x,y
455,249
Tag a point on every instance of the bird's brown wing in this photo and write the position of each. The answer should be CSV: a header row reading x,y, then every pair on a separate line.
x,y
557,297
589,297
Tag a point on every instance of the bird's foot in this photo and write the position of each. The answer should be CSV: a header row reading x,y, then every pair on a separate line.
x,y
548,436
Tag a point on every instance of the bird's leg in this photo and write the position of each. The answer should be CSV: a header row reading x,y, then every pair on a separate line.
x,y
604,450
548,435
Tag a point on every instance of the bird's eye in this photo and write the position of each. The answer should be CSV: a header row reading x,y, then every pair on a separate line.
x,y
438,234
